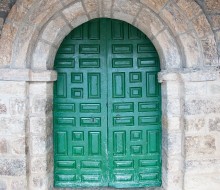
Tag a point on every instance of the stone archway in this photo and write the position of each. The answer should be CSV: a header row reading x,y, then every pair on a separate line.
x,y
34,32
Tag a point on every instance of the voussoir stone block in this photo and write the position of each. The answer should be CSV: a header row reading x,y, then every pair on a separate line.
x,y
213,5
155,5
189,7
128,9
168,50
149,23
92,7
75,14
173,16
56,30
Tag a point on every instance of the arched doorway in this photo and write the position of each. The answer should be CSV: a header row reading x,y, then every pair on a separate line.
x,y
107,108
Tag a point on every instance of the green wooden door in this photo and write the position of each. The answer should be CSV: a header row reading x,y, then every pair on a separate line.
x,y
107,108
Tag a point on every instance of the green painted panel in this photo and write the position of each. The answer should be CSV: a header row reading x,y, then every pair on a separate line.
x,y
107,108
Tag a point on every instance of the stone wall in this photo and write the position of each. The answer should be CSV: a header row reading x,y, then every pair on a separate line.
x,y
187,38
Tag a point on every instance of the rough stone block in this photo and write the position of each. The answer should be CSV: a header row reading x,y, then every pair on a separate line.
x,y
40,106
195,88
194,124
174,18
172,143
155,5
41,125
12,167
12,125
41,88
17,145
213,88
149,23
107,5
13,88
213,5
56,30
168,50
41,145
43,12
201,106
126,9
192,50
215,21
202,26
200,146
202,181
17,106
75,14
3,146
214,124
19,184
189,7
210,51
43,56
3,184
92,8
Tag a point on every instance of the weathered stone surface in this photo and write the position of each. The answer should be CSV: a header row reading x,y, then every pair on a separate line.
x,y
194,124
23,45
75,14
208,165
200,146
43,56
40,106
174,18
202,26
92,7
210,51
189,7
215,21
213,5
44,89
213,88
12,167
3,146
41,125
168,50
12,125
214,124
43,12
39,165
127,9
107,5
192,50
172,143
3,184
199,106
39,181
171,124
19,184
149,23
3,108
202,181
195,88
17,106
56,30
155,5
14,88
41,145
18,146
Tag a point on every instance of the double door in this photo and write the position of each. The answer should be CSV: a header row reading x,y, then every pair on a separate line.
x,y
107,108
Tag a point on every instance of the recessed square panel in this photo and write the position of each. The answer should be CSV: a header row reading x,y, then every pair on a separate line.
x,y
137,149
77,77
78,151
135,77
77,93
136,135
78,136
135,92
